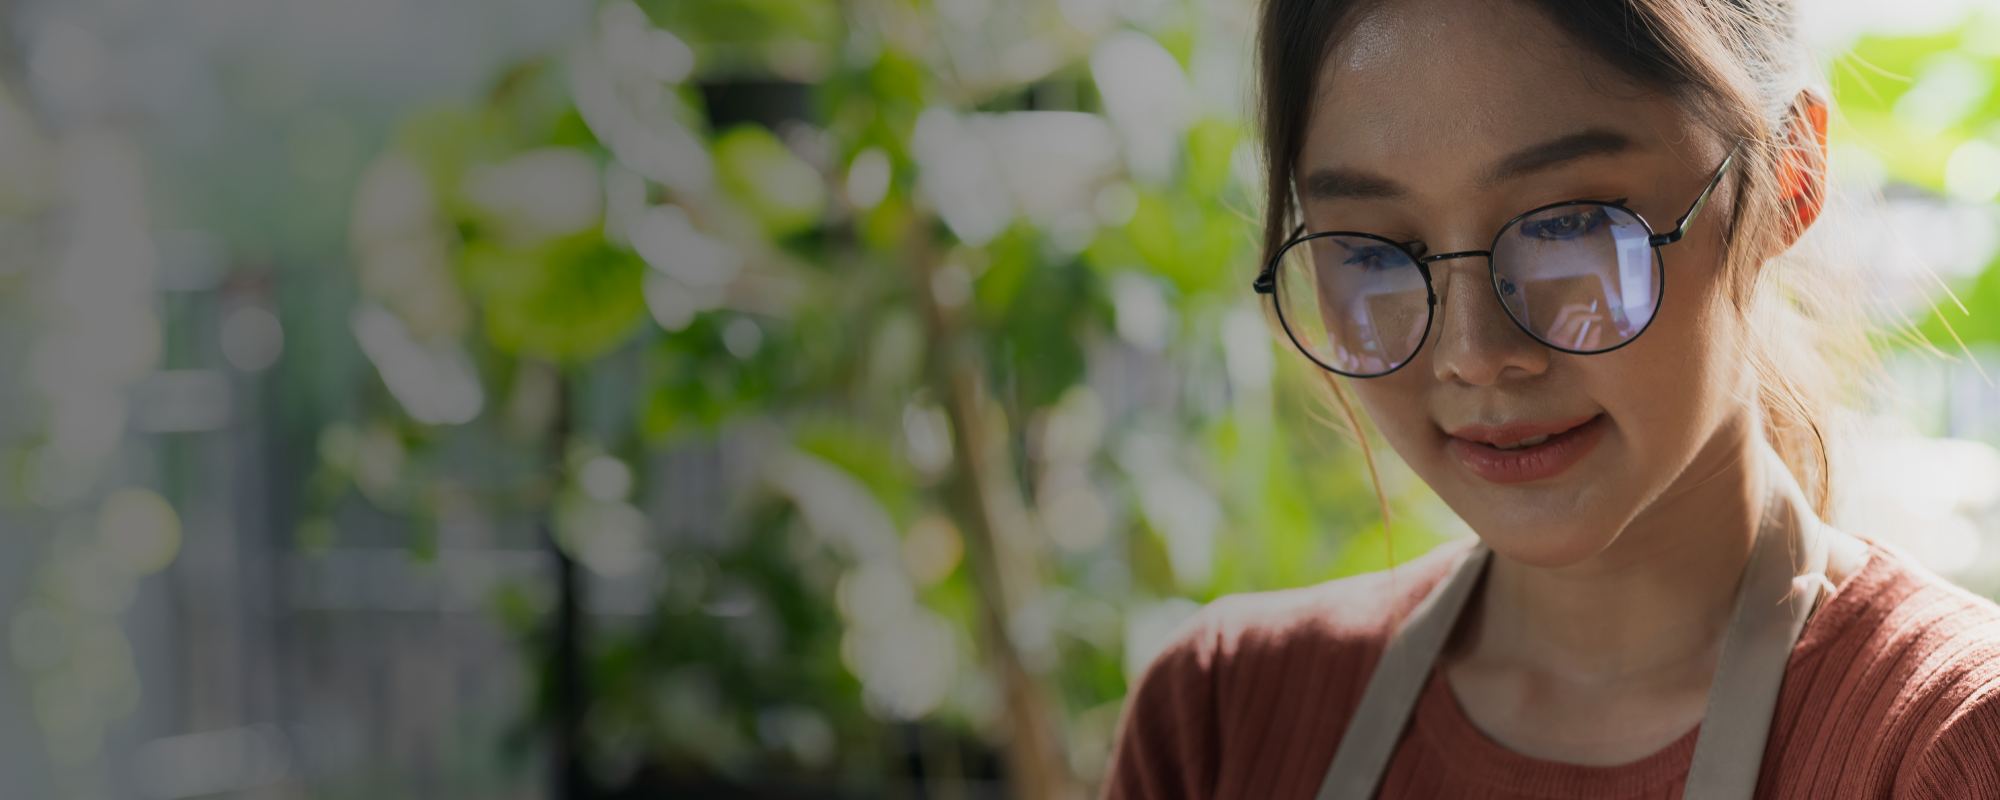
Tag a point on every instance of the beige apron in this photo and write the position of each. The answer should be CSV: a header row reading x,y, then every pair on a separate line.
x,y
1779,589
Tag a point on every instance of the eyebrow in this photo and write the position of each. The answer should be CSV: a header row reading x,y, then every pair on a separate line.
x,y
1350,184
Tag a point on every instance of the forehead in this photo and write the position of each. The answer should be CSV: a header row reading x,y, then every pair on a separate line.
x,y
1446,86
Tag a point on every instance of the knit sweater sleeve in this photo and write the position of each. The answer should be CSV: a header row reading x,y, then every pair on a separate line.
x,y
1962,760
1167,742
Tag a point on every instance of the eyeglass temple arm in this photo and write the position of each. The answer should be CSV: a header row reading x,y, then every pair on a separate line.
x,y
1267,280
1681,225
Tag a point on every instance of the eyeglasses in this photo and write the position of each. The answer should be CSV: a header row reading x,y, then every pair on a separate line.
x,y
1580,276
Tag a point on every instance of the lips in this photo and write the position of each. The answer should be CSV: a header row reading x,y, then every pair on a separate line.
x,y
1558,445
1514,432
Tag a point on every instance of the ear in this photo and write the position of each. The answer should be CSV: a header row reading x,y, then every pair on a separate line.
x,y
1802,165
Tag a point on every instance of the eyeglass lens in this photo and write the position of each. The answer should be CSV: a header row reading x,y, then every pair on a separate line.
x,y
1579,277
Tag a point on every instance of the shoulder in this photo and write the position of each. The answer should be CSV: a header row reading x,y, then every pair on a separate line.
x,y
1240,637
1927,627
1343,619
1895,613
1953,657
1939,645
1244,662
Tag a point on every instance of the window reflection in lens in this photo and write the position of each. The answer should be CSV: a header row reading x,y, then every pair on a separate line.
x,y
1369,304
1580,276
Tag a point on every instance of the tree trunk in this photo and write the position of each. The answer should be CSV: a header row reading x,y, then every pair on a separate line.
x,y
1001,546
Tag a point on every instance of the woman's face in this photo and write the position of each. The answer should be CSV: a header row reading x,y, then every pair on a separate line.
x,y
1438,121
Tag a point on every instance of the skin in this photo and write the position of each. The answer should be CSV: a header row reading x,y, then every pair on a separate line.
x,y
1594,638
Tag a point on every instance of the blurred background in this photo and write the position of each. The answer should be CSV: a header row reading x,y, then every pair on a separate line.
x,y
730,398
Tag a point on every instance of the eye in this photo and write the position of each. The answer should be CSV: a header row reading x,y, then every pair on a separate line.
x,y
1374,258
1578,221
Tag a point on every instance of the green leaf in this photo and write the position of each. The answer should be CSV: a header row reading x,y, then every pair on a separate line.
x,y
1211,149
870,458
569,299
448,140
784,193
696,384
1191,240
1039,313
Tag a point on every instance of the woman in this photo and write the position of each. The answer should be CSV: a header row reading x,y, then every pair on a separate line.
x,y
1610,394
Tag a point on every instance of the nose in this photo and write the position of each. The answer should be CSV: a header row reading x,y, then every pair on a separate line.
x,y
1476,341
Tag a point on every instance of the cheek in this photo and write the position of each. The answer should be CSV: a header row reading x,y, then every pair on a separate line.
x,y
1705,323
1398,407
1670,388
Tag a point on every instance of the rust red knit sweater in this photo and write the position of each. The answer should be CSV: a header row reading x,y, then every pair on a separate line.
x,y
1892,691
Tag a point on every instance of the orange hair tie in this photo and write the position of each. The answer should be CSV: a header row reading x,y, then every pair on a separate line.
x,y
1802,172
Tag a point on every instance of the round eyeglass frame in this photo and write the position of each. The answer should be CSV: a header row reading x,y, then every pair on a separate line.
x,y
1267,280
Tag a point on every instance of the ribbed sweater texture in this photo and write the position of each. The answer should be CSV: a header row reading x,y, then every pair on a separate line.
x,y
1893,691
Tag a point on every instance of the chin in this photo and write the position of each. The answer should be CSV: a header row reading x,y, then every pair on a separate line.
x,y
1547,546
1551,523
1542,532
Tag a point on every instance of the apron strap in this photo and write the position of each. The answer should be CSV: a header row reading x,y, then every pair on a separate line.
x,y
1377,724
1778,590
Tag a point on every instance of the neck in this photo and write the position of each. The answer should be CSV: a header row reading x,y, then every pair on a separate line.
x,y
1654,604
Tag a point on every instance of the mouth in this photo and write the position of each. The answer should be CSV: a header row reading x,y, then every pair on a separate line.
x,y
1525,451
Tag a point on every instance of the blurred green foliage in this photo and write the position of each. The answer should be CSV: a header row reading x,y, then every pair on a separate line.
x,y
1926,106
811,316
